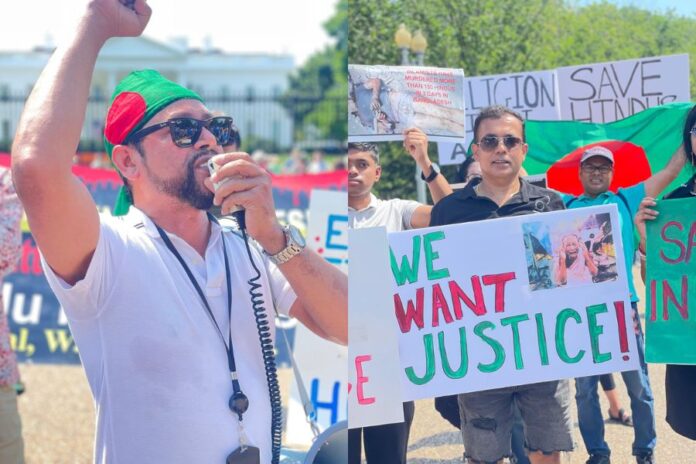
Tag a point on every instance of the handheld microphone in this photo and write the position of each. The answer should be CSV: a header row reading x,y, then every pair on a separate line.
x,y
237,212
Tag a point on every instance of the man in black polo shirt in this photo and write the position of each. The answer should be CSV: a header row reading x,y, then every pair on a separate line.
x,y
487,416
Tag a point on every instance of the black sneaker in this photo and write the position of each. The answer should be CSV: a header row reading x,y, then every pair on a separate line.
x,y
598,459
646,459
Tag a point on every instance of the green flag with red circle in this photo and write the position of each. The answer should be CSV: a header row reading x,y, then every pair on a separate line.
x,y
642,144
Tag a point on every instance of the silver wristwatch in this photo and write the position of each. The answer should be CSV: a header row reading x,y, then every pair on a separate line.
x,y
295,243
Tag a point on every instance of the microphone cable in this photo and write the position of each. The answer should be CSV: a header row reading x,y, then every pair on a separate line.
x,y
267,349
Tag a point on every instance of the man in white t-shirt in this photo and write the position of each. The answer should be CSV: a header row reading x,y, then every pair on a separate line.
x,y
364,171
387,443
165,306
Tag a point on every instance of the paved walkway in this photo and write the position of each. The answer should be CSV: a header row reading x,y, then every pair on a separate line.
x,y
433,440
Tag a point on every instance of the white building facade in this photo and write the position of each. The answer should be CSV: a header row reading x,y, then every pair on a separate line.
x,y
244,86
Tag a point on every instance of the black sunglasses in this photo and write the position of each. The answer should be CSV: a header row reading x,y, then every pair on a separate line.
x,y
185,132
491,142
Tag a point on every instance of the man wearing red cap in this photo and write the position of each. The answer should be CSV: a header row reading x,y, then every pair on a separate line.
x,y
159,301
596,172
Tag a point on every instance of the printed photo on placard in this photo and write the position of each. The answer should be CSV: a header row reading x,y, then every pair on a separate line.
x,y
384,101
569,254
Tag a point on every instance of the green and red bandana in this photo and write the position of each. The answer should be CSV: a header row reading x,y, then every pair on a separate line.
x,y
136,99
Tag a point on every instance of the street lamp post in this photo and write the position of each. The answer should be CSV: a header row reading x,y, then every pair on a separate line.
x,y
402,38
417,44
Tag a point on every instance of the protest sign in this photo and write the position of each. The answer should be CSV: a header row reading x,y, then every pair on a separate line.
x,y
671,284
327,233
532,94
512,301
605,92
38,327
373,368
323,368
384,101
322,363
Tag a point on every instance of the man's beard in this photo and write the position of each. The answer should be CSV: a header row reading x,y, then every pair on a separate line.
x,y
186,188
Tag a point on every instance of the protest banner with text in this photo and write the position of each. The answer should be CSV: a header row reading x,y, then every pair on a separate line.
x,y
374,391
511,301
532,94
605,92
384,101
322,363
671,284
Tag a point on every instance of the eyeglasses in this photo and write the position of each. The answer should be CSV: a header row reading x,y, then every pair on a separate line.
x,y
693,131
185,132
591,168
491,142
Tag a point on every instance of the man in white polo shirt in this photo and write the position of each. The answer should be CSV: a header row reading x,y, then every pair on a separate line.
x,y
172,314
388,443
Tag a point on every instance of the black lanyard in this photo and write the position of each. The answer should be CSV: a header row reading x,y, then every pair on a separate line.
x,y
239,403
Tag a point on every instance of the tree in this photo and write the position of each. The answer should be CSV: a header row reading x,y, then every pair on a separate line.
x,y
317,91
503,36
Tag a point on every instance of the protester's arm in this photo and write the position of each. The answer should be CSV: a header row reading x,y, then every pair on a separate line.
x,y
61,213
421,217
416,143
321,288
322,295
645,213
655,184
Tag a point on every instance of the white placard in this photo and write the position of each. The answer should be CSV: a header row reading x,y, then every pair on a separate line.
x,y
532,94
384,101
327,231
606,92
373,367
452,152
505,311
323,368
484,305
322,363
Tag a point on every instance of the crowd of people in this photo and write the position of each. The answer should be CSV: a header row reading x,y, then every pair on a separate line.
x,y
531,422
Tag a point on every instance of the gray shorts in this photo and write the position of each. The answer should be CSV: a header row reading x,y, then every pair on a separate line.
x,y
487,419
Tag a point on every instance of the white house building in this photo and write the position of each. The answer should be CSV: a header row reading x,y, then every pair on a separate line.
x,y
244,86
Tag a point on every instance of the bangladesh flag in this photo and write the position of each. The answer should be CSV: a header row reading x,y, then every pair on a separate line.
x,y
642,144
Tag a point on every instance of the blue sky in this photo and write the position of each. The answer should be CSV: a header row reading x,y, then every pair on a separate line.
x,y
682,7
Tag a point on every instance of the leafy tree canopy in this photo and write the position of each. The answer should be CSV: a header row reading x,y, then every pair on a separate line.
x,y
504,36
317,91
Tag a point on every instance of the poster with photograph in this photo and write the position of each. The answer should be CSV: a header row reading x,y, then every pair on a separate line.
x,y
510,301
384,101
